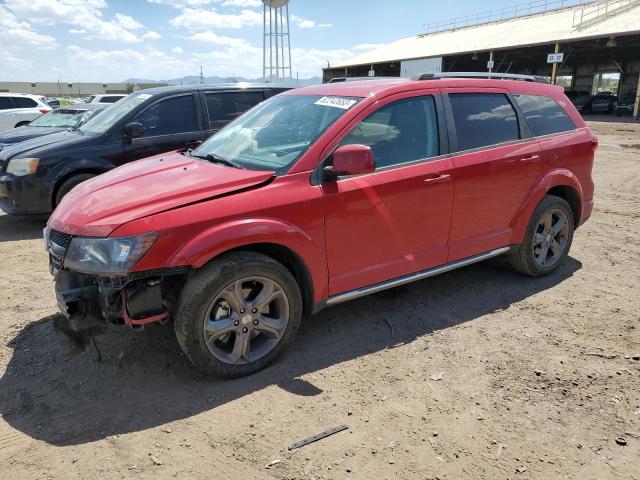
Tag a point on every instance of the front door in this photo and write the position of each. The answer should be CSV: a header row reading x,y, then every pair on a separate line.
x,y
394,221
169,124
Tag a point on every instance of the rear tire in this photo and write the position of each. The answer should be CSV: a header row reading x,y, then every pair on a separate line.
x,y
547,240
21,124
68,185
237,314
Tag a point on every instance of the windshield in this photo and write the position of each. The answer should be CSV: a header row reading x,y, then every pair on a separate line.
x,y
62,117
275,133
112,115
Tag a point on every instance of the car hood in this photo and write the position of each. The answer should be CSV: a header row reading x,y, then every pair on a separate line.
x,y
37,147
21,134
98,206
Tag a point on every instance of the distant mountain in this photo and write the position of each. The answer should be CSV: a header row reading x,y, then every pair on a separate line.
x,y
194,80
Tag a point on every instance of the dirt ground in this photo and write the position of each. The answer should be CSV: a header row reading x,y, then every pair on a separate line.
x,y
479,373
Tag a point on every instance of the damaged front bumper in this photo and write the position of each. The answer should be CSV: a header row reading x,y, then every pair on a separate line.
x,y
91,303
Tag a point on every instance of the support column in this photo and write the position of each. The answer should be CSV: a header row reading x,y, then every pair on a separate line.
x,y
554,69
636,107
491,60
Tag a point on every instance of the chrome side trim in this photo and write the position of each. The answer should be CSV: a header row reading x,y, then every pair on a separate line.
x,y
396,282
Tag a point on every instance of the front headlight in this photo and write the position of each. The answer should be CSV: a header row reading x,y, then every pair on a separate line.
x,y
22,166
111,256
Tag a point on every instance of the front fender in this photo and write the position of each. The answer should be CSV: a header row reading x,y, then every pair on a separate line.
x,y
67,167
553,178
242,233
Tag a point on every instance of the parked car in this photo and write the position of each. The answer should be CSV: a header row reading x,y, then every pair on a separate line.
x,y
55,121
575,94
108,98
603,102
52,102
317,196
625,106
17,109
36,174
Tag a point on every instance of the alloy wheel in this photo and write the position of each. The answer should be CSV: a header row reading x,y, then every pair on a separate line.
x,y
246,320
550,237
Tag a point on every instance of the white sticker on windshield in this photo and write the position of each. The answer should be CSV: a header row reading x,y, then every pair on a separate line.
x,y
144,96
337,102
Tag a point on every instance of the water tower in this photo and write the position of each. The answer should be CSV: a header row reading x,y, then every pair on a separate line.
x,y
276,59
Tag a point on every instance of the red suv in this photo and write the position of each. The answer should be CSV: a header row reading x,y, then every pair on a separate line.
x,y
317,196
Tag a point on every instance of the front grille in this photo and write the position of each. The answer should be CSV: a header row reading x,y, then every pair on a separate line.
x,y
59,238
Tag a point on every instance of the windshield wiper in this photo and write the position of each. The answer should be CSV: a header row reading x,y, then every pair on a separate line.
x,y
212,157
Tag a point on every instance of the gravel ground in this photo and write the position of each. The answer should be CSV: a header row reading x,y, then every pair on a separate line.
x,y
478,373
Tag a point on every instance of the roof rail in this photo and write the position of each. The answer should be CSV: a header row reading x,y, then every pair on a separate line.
x,y
358,79
497,76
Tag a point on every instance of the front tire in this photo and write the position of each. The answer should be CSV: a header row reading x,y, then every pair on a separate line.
x,y
69,184
547,240
238,314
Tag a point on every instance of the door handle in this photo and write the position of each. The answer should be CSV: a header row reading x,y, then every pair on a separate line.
x,y
437,179
530,159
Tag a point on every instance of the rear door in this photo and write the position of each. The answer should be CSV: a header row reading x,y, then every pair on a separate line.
x,y
224,107
496,162
394,221
7,113
28,109
171,123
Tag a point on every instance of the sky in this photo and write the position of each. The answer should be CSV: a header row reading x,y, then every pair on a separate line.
x,y
113,40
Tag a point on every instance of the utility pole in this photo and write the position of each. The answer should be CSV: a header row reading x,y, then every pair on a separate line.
x,y
554,69
201,76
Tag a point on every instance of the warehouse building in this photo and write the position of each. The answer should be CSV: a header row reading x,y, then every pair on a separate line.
x,y
76,89
588,46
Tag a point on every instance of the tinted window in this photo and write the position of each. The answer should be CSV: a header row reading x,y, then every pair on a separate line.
x,y
25,102
400,132
6,103
544,116
483,119
173,115
226,106
110,99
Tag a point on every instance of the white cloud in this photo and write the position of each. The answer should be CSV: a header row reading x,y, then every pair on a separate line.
x,y
213,38
304,23
240,3
235,59
18,33
127,22
151,35
182,3
84,15
198,19
363,47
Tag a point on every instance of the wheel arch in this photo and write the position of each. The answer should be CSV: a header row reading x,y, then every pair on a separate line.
x,y
561,182
572,197
66,176
292,262
283,242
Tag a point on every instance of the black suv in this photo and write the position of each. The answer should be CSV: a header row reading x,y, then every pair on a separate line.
x,y
37,173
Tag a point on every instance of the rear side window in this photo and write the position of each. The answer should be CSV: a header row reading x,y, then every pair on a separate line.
x,y
544,115
25,102
400,132
224,107
170,116
6,103
483,119
110,99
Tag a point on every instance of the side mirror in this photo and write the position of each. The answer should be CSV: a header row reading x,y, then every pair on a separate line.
x,y
133,130
351,160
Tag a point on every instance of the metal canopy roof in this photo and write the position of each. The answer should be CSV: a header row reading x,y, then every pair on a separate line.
x,y
549,27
